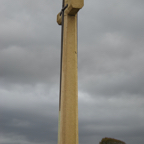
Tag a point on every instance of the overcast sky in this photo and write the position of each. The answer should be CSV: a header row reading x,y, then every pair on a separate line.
x,y
110,69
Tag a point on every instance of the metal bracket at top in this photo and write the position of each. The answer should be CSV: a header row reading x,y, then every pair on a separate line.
x,y
71,8
59,16
63,9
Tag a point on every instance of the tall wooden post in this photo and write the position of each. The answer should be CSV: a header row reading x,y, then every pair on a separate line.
x,y
68,105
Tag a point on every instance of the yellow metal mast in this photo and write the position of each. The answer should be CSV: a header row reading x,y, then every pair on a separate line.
x,y
68,105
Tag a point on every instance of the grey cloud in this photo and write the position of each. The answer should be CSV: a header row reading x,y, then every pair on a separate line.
x,y
21,65
28,43
116,85
28,117
39,129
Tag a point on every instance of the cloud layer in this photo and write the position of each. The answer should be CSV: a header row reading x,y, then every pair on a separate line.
x,y
110,68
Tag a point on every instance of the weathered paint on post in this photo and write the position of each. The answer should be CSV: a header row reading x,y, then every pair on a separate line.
x,y
68,114
69,91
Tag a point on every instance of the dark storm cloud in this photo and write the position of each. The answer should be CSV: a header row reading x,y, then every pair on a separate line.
x,y
29,114
113,85
29,46
25,22
26,66
33,127
29,57
113,54
113,16
120,118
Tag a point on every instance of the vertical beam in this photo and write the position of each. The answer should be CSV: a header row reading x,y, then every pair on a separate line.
x,y
68,128
68,110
